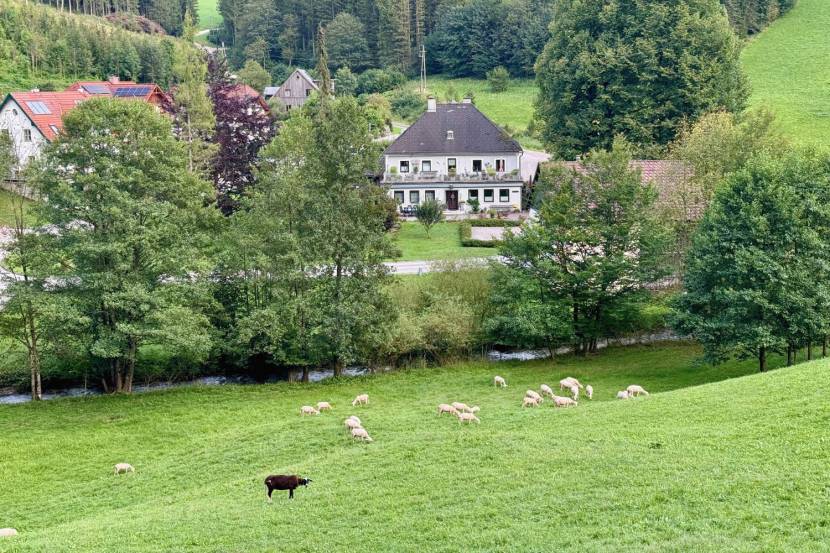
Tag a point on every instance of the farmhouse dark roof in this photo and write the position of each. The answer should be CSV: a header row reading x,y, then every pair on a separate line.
x,y
472,133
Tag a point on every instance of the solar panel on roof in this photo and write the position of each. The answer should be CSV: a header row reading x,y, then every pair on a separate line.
x,y
133,91
97,89
123,92
38,108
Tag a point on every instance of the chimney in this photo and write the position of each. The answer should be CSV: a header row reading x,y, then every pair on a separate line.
x,y
432,104
113,79
467,101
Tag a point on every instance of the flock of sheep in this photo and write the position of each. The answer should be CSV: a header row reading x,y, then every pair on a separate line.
x,y
467,414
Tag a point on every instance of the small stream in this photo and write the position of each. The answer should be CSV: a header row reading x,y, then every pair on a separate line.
x,y
9,397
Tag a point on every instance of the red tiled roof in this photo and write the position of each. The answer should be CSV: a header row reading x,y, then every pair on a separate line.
x,y
245,91
154,92
57,103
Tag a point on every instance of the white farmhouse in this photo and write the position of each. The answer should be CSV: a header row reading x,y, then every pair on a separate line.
x,y
454,154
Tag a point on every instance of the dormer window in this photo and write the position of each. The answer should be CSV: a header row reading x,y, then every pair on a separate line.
x,y
450,135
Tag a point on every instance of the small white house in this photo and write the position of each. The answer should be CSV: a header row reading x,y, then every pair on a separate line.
x,y
454,154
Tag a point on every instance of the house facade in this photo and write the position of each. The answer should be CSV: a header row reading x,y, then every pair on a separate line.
x,y
296,90
34,119
455,155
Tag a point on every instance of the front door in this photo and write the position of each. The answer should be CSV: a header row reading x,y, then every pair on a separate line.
x,y
452,200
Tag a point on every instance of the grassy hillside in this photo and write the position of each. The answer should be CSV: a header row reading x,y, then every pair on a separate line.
x,y
789,69
734,466
209,16
513,108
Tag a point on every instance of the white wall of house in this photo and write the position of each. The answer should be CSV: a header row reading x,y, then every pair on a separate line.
x,y
464,163
26,144
489,195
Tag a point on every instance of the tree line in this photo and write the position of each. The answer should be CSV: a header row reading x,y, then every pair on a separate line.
x,y
167,13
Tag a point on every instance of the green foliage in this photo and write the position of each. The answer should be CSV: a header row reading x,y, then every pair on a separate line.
x,y
465,231
597,244
595,82
346,41
749,17
767,236
378,112
346,82
376,81
429,213
118,167
7,158
255,76
407,105
498,79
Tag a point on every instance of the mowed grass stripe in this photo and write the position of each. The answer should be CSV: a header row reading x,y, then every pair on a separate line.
x,y
591,478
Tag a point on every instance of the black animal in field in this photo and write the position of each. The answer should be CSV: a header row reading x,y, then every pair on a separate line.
x,y
285,482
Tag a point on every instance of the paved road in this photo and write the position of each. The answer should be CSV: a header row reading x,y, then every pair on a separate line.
x,y
423,267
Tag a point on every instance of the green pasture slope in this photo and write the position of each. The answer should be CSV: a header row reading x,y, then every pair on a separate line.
x,y
788,66
737,465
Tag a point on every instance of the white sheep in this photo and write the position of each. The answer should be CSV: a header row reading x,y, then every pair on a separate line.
x,y
7,532
530,402
354,418
575,392
308,410
635,390
534,395
568,382
500,382
468,418
444,408
559,401
589,391
324,406
123,467
461,407
546,390
361,434
622,394
362,399
351,424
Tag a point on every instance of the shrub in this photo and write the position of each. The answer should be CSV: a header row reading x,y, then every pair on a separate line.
x,y
376,81
346,82
474,204
498,79
406,104
429,214
465,232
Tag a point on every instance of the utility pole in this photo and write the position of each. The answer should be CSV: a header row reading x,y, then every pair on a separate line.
x,y
423,55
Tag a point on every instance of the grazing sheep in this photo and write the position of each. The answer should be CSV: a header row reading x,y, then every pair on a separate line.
x,y
474,409
534,395
468,418
622,394
568,382
324,406
589,391
7,532
444,408
361,434
462,407
634,391
362,399
351,423
308,410
123,467
559,401
357,420
575,392
500,382
285,482
530,402
546,390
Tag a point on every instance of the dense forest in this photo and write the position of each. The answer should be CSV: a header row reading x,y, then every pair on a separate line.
x,y
41,47
167,13
461,37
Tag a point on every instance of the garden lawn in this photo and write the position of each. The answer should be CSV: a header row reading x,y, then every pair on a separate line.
x,y
789,70
738,466
7,203
443,243
513,108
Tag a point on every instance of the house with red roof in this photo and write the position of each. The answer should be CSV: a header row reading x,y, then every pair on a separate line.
x,y
34,119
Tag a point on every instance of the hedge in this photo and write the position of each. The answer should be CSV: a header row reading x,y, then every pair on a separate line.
x,y
465,231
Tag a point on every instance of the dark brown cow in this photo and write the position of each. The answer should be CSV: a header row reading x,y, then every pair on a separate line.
x,y
285,482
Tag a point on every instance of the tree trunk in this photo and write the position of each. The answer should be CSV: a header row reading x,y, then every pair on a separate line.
x,y
34,369
789,356
306,372
128,384
338,366
762,358
809,350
